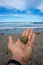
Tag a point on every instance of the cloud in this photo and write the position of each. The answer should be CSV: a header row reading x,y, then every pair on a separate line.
x,y
28,18
36,12
9,7
26,10
4,10
33,3
19,4
14,11
40,7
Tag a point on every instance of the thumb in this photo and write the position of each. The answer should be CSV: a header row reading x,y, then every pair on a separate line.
x,y
11,40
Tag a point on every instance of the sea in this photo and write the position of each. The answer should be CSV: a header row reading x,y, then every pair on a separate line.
x,y
19,27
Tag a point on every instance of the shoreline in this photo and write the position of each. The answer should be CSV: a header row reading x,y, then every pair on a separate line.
x,y
18,30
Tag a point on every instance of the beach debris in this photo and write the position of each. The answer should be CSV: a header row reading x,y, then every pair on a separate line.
x,y
2,33
37,33
7,52
24,39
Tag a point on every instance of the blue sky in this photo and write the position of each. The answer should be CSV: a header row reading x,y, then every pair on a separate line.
x,y
21,10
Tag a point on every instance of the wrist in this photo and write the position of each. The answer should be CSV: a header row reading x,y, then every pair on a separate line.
x,y
20,60
11,64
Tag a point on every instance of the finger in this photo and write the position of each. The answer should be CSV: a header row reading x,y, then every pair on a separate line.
x,y
24,33
30,34
33,37
29,37
30,43
27,32
10,39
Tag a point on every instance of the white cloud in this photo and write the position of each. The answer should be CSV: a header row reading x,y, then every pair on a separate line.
x,y
22,4
40,7
19,4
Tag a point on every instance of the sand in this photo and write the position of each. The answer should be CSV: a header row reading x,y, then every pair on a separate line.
x,y
37,55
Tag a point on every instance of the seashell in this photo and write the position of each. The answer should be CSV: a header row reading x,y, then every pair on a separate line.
x,y
24,39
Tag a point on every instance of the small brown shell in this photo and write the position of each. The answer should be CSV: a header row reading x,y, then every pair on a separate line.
x,y
24,39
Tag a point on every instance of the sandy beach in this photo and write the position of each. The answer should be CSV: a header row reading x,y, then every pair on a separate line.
x,y
37,56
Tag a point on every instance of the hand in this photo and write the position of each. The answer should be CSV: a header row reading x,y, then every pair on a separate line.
x,y
22,52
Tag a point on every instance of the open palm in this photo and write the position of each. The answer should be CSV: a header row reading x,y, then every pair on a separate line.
x,y
22,52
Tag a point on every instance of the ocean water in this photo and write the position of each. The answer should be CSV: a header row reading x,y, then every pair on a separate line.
x,y
19,27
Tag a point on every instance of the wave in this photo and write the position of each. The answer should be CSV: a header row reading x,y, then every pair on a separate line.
x,y
21,25
11,27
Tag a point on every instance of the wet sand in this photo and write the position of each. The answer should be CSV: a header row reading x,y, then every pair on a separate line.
x,y
37,56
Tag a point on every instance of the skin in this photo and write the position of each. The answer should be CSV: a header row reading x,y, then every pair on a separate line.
x,y
22,52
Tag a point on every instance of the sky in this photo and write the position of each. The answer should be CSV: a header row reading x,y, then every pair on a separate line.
x,y
21,10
